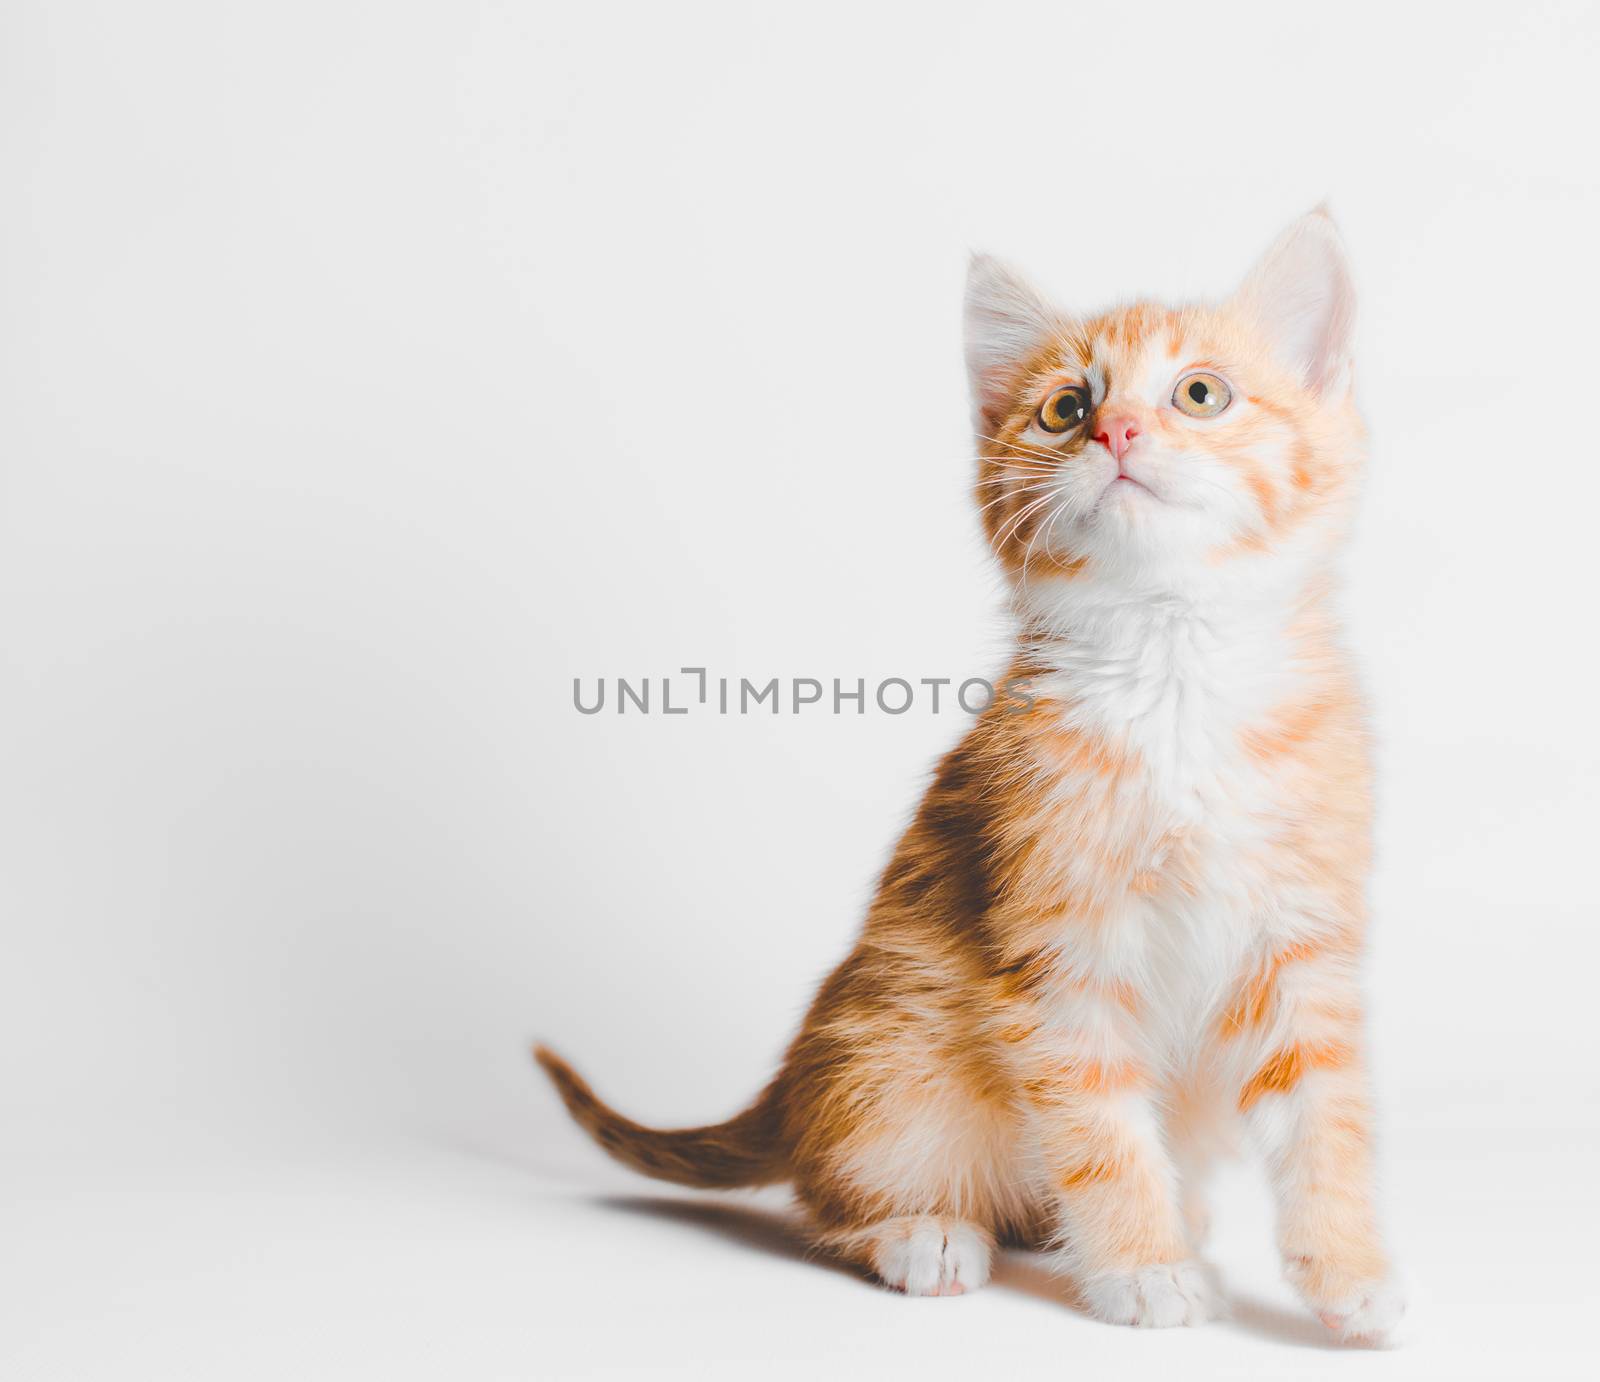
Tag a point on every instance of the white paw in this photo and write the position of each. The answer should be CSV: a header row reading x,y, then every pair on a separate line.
x,y
932,1257
1157,1297
1369,1314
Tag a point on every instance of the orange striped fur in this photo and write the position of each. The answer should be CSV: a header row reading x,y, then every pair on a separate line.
x,y
1123,929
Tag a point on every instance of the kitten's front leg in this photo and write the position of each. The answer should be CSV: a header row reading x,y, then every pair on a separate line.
x,y
1124,1237
1307,1104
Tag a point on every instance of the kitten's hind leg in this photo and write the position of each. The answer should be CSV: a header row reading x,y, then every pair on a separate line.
x,y
921,1254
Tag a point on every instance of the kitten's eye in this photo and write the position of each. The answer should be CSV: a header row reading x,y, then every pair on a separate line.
x,y
1201,395
1064,409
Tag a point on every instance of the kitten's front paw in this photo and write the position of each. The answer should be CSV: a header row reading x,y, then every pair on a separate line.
x,y
1356,1310
932,1257
1157,1297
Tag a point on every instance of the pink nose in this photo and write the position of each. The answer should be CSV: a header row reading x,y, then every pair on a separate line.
x,y
1116,434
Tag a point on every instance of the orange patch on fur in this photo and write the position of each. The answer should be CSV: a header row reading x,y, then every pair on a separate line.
x,y
1085,1077
1289,731
1284,1070
1014,1033
1253,1004
1095,1171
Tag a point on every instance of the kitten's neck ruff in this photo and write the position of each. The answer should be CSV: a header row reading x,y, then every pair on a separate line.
x,y
1175,671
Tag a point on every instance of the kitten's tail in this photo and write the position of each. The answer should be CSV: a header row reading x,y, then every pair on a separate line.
x,y
746,1150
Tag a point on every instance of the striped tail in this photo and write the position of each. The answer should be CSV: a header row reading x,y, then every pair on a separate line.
x,y
746,1150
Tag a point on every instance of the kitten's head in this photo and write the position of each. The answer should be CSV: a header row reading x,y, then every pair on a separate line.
x,y
1162,446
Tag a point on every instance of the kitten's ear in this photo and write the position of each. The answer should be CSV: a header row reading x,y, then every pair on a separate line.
x,y
1301,295
1006,321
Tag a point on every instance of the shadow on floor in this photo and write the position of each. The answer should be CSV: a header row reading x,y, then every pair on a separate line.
x,y
763,1230
781,1234
1287,1326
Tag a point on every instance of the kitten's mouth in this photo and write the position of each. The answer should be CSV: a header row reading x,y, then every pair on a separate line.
x,y
1123,489
1123,482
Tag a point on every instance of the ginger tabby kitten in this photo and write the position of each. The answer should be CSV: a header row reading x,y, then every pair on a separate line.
x,y
1127,920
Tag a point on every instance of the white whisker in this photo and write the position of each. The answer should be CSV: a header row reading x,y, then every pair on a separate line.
x,y
1014,526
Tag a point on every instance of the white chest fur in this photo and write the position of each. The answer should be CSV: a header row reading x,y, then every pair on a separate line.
x,y
1174,685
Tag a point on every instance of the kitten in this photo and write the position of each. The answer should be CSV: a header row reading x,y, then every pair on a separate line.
x,y
1127,919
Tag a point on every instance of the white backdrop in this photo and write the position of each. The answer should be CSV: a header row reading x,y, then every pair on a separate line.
x,y
370,371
